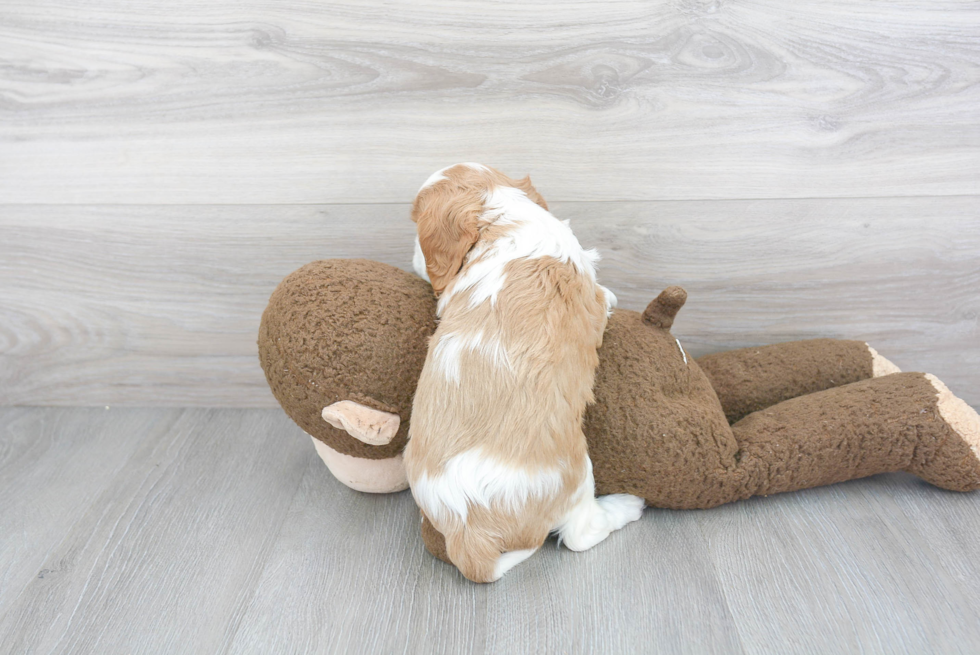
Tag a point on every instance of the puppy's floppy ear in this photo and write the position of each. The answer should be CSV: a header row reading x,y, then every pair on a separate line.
x,y
447,220
532,193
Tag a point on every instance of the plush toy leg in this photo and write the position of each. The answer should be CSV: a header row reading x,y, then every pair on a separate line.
x,y
901,422
751,379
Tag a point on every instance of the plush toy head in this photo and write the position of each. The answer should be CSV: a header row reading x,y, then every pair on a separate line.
x,y
342,344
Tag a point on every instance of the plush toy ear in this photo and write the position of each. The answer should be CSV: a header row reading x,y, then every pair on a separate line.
x,y
447,220
372,426
662,309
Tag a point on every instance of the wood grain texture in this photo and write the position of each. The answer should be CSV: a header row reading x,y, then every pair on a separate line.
x,y
167,556
159,305
47,460
378,590
224,533
892,591
352,571
107,101
656,575
940,523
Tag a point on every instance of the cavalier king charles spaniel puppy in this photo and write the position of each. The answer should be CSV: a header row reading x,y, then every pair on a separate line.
x,y
496,457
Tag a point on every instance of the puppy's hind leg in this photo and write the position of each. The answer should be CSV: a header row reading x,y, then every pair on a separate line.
x,y
591,519
509,560
478,557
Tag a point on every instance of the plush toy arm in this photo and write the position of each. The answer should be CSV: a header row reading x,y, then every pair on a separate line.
x,y
751,379
904,422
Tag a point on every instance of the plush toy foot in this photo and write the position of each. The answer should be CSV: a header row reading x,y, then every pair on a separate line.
x,y
880,366
378,476
955,465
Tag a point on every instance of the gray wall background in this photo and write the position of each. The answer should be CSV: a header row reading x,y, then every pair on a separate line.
x,y
804,170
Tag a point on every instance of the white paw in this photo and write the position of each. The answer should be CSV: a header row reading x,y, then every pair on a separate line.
x,y
611,300
621,509
509,560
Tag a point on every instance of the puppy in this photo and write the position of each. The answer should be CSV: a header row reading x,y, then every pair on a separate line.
x,y
496,456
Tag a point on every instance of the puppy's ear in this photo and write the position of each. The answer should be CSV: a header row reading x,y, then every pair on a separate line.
x,y
447,220
532,193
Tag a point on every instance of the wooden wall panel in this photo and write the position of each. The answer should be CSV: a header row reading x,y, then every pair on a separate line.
x,y
158,305
358,101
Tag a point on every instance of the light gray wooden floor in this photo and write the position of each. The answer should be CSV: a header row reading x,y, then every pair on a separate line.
x,y
220,531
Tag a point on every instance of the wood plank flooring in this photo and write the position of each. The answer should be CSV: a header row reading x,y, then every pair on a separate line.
x,y
219,531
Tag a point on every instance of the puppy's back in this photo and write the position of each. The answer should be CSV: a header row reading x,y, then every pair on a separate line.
x,y
496,453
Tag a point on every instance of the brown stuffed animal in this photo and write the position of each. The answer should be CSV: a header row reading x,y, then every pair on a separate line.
x,y
342,343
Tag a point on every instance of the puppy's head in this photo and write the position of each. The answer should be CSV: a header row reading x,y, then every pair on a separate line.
x,y
448,213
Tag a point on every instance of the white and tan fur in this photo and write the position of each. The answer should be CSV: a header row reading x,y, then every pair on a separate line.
x,y
496,456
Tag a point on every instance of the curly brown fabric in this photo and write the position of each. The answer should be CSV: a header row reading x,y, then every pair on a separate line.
x,y
347,329
750,379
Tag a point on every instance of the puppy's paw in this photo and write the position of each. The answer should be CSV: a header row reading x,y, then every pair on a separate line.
x,y
621,509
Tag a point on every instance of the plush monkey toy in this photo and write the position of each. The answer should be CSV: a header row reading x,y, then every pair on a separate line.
x,y
342,344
